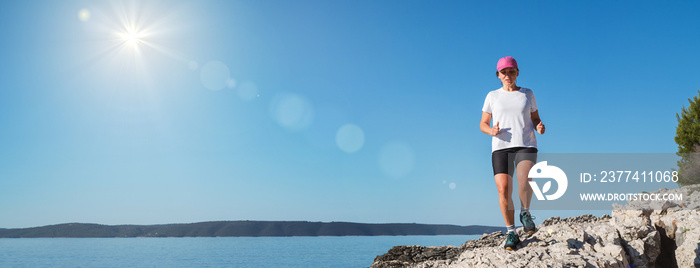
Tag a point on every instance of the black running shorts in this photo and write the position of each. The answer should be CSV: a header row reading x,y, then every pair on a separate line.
x,y
505,160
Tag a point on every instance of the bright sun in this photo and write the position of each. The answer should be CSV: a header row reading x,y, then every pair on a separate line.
x,y
133,31
131,36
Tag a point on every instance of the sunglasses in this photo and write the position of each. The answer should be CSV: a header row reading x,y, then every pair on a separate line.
x,y
508,71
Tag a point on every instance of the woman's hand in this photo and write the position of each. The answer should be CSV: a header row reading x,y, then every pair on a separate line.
x,y
539,127
494,130
485,125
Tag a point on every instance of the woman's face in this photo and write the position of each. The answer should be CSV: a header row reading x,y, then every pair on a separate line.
x,y
508,76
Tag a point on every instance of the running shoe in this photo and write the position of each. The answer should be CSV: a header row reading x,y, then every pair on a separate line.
x,y
528,224
512,241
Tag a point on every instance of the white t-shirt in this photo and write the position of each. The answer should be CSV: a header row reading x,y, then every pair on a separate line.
x,y
511,109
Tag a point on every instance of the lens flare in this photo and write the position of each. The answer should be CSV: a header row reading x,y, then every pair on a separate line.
x,y
291,111
215,75
350,138
84,15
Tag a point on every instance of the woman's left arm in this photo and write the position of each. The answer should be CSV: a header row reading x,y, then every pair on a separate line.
x,y
537,122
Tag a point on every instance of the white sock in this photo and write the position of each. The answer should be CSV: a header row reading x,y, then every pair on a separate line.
x,y
511,228
524,210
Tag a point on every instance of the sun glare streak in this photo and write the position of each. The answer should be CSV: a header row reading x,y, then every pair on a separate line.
x,y
132,47
136,25
134,38
129,48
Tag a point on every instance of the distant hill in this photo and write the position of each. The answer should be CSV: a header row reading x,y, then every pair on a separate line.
x,y
244,229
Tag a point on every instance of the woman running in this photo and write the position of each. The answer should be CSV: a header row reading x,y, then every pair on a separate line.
x,y
513,146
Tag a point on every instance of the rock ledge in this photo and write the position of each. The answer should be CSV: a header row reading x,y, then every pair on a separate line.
x,y
631,237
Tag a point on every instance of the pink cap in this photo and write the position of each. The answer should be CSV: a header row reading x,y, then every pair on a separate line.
x,y
506,62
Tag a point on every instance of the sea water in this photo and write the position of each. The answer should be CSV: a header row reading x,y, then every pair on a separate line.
x,y
341,251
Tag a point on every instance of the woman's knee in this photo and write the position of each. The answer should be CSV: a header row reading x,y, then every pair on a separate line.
x,y
502,190
502,184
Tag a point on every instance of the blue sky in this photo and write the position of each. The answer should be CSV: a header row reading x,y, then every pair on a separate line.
x,y
232,110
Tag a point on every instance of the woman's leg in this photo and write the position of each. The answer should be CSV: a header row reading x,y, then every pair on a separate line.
x,y
524,190
504,184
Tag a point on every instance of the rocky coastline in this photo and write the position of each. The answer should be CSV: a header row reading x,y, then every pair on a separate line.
x,y
635,235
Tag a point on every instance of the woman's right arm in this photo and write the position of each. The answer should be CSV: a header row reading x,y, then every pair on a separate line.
x,y
485,125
